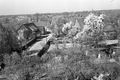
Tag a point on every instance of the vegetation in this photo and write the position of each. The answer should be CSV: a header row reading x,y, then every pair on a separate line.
x,y
78,62
8,40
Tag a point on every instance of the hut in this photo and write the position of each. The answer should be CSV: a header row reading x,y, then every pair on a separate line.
x,y
27,31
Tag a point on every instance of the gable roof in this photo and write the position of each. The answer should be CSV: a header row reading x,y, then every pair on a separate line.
x,y
28,26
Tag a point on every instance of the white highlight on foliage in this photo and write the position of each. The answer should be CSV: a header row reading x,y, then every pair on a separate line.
x,y
75,29
70,29
82,33
67,27
86,52
100,77
99,56
93,24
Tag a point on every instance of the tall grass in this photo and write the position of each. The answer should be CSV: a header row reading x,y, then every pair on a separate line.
x,y
59,64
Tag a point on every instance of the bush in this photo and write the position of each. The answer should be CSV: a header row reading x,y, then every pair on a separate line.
x,y
8,40
4,47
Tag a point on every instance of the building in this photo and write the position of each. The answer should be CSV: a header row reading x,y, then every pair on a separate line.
x,y
27,31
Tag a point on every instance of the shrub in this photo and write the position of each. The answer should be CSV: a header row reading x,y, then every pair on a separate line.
x,y
92,30
4,47
8,40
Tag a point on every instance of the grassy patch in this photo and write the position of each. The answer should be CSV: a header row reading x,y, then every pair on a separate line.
x,y
59,64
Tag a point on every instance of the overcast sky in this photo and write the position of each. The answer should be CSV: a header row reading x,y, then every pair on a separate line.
x,y
50,6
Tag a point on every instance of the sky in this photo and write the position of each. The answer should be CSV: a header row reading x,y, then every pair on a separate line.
x,y
11,7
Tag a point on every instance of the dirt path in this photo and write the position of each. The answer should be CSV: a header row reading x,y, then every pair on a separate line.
x,y
40,44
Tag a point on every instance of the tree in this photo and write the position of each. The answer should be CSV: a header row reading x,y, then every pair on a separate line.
x,y
57,23
4,47
67,27
8,40
93,29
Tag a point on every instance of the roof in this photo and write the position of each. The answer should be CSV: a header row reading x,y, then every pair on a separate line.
x,y
28,26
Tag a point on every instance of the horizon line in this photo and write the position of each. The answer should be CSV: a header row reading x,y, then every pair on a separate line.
x,y
17,14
